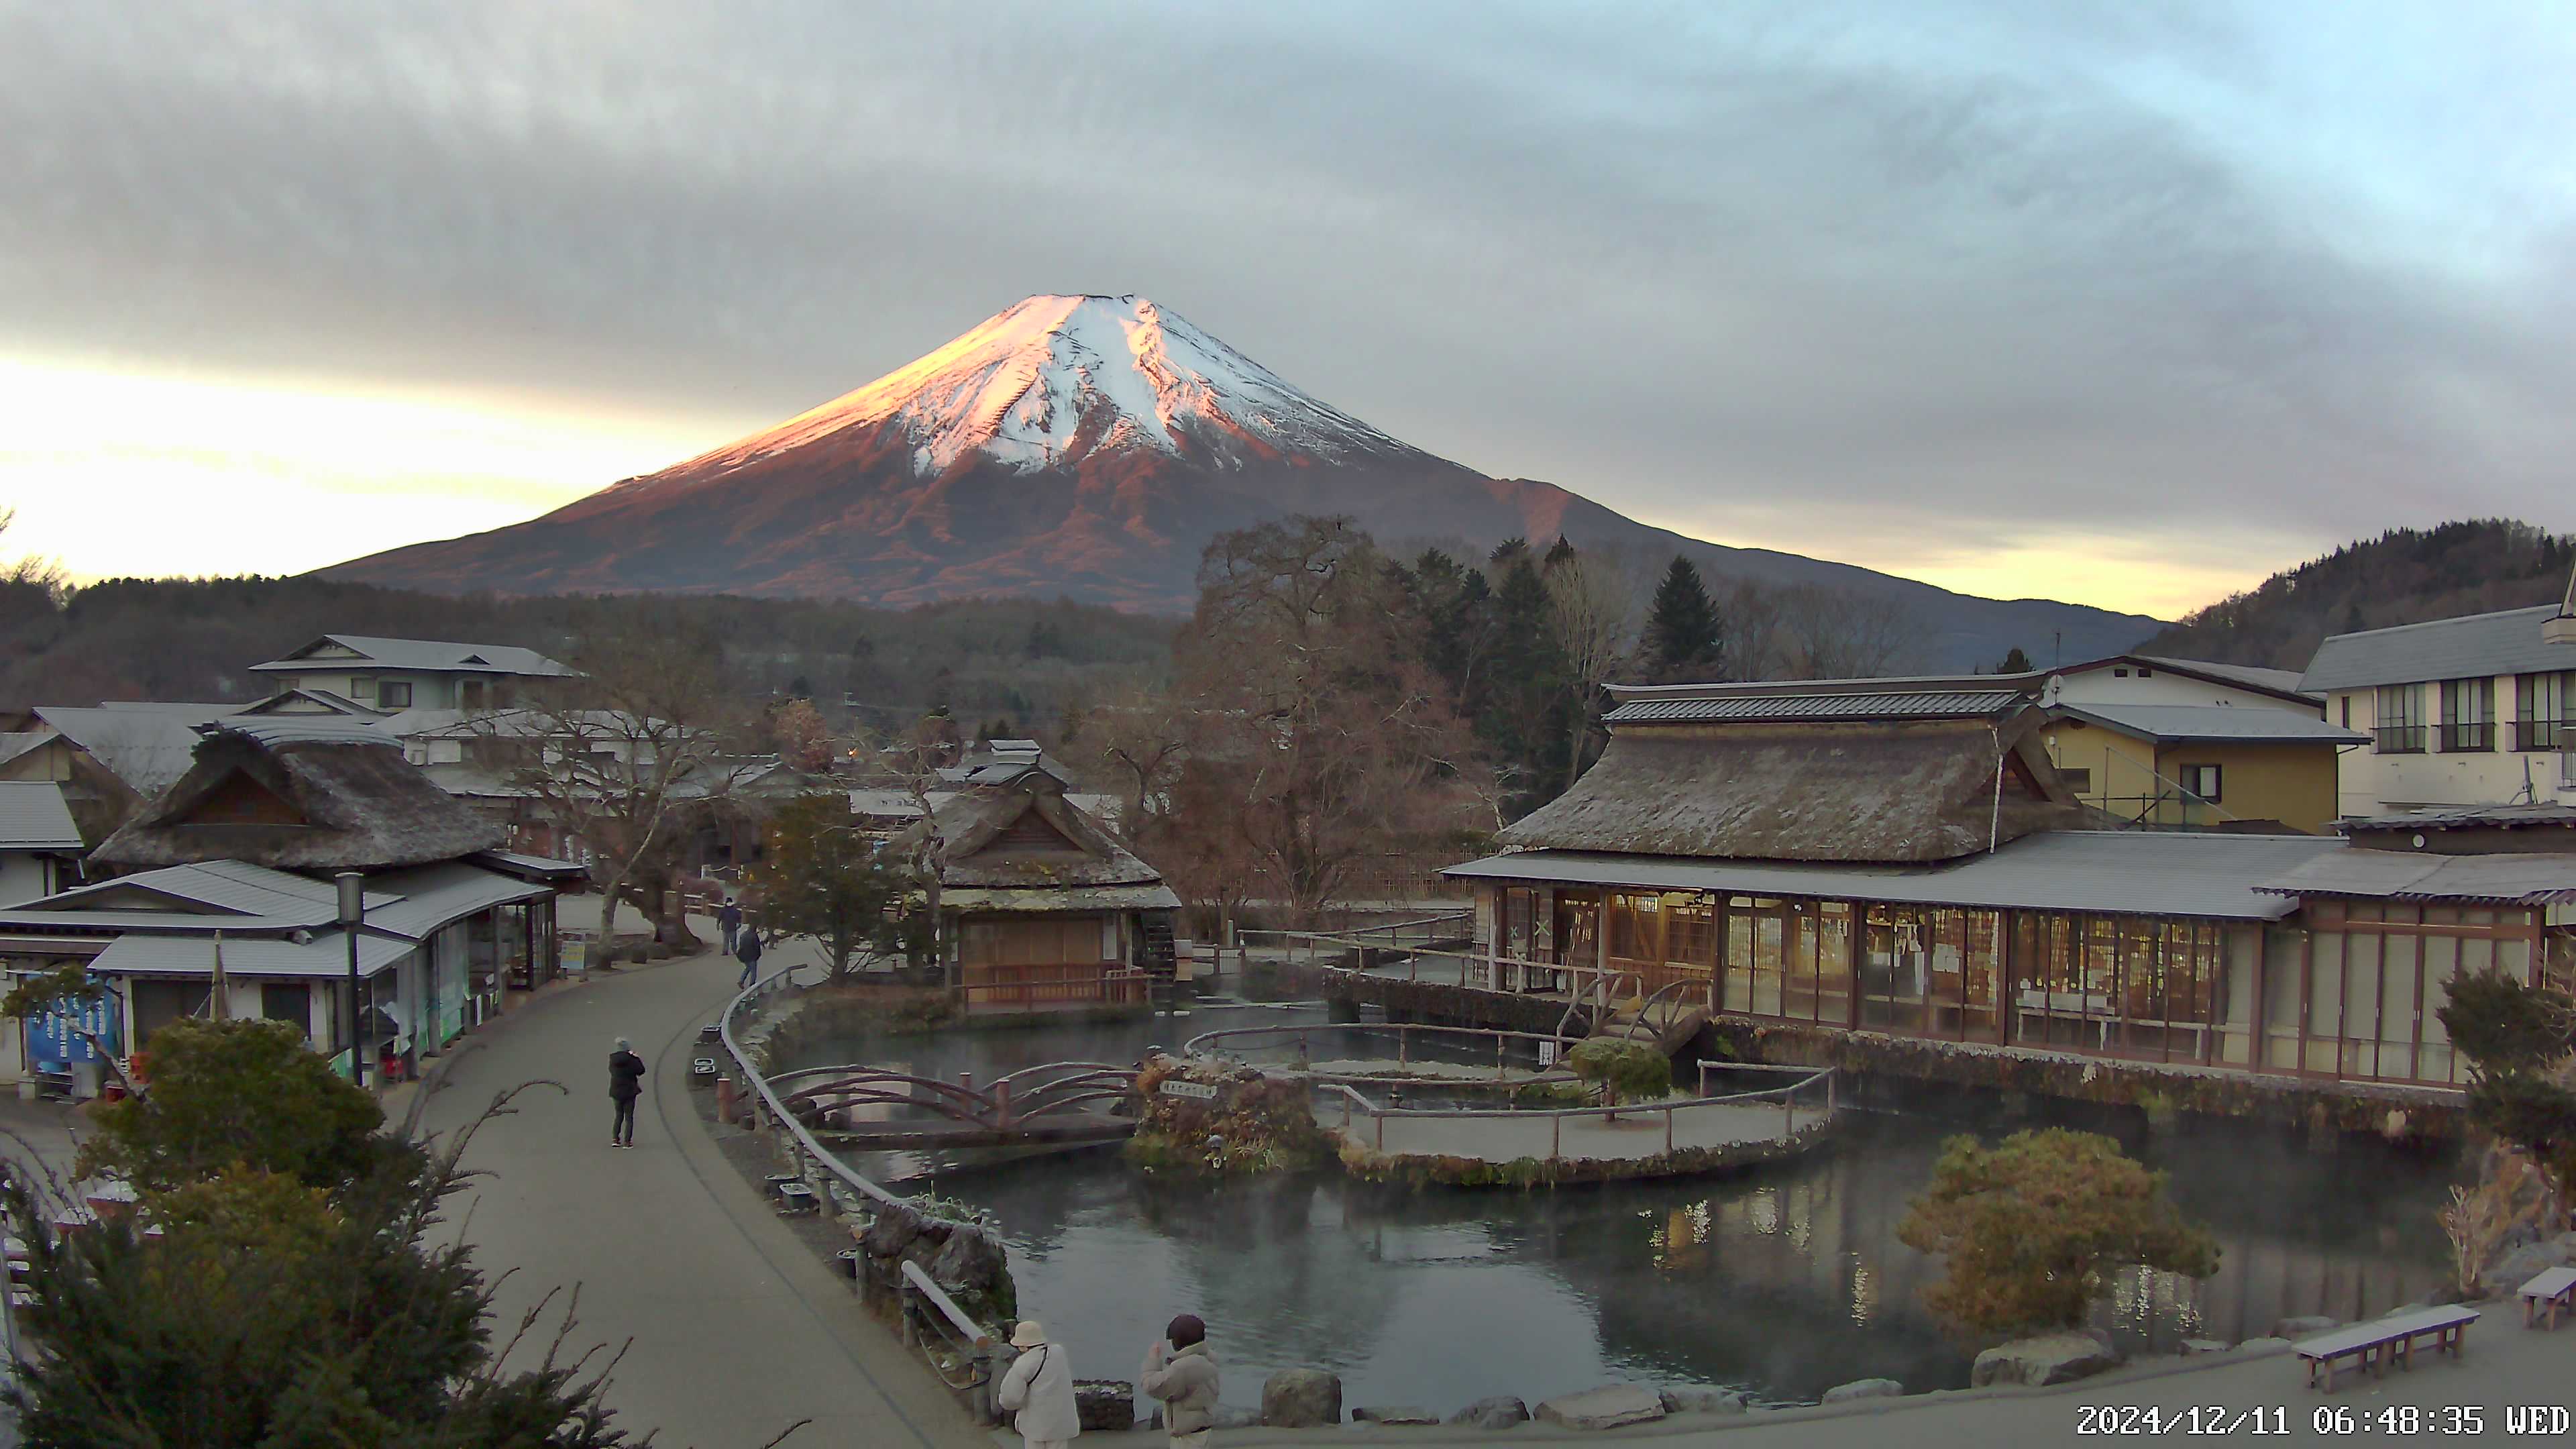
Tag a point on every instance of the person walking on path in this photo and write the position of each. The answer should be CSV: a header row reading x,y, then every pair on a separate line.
x,y
1039,1388
731,919
748,953
1181,1373
625,1084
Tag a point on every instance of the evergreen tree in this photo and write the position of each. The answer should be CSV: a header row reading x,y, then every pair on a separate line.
x,y
1684,643
1524,721
2015,662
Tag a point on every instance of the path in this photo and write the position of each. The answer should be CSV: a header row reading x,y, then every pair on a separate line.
x,y
737,1329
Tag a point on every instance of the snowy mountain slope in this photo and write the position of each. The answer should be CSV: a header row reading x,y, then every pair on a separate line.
x,y
1088,447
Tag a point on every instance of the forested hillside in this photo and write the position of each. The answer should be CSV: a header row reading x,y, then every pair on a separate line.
x,y
2404,576
1016,661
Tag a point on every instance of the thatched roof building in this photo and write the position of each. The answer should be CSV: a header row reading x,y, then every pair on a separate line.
x,y
1811,772
299,795
1017,844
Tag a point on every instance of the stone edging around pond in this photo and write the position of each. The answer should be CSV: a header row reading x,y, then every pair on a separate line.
x,y
1428,1170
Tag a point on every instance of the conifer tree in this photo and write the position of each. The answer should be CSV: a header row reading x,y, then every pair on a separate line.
x,y
1683,642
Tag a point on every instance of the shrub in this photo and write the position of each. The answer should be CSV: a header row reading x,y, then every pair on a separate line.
x,y
2033,1227
1626,1071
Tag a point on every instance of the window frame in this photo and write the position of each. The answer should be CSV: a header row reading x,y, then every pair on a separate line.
x,y
386,686
2192,777
2552,726
2399,731
2468,715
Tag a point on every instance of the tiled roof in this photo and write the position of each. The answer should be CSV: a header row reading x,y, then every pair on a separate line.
x,y
427,654
2139,872
2251,724
1940,704
2469,647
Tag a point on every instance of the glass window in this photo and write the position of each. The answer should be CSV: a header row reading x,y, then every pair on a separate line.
x,y
2468,714
2544,711
2397,727
2203,781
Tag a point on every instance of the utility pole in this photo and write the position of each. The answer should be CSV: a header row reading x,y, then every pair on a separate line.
x,y
353,913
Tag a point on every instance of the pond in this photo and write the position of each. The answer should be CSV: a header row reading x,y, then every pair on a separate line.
x,y
1784,1281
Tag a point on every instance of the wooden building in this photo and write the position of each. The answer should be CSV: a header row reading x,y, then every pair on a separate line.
x,y
1039,905
1908,863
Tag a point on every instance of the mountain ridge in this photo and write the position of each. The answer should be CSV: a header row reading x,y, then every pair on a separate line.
x,y
1089,446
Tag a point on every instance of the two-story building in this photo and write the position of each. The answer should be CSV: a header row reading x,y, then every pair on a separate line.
x,y
398,674
2478,710
2184,744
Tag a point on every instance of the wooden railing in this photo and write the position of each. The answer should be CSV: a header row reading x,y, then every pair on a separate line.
x,y
1104,983
1811,1080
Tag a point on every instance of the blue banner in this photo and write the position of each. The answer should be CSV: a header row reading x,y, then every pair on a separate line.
x,y
54,1039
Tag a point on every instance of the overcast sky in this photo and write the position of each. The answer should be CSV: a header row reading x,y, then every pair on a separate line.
x,y
2128,304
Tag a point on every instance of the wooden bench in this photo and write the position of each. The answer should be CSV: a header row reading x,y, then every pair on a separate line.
x,y
2375,1342
2548,1292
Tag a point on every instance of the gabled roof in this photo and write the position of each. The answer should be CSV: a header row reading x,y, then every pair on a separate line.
x,y
148,749
34,817
2214,723
239,895
434,655
2283,683
310,702
984,842
2469,647
337,797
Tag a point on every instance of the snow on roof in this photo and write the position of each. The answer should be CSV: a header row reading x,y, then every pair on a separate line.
x,y
1052,376
439,655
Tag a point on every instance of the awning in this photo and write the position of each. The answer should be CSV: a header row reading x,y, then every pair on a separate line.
x,y
2511,880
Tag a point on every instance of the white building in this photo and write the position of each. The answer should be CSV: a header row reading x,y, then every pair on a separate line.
x,y
400,674
40,847
2479,710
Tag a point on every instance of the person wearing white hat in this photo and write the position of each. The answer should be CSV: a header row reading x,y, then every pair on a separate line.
x,y
1039,1389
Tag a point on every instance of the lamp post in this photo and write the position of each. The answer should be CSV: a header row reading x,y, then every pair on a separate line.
x,y
353,911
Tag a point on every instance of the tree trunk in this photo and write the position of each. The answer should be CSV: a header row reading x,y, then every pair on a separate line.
x,y
608,890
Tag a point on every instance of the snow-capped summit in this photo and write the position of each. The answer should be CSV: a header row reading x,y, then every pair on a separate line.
x,y
1051,380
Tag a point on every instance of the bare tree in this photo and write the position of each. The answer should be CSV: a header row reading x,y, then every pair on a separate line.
x,y
639,743
1137,738
1831,633
1592,609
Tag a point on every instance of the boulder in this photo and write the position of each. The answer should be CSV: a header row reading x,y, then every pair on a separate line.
x,y
2053,1358
1495,1413
1401,1414
2295,1329
1606,1407
892,1232
2516,1268
1864,1389
1702,1401
1302,1399
1105,1404
971,1260
1235,1416
2194,1347
2264,1345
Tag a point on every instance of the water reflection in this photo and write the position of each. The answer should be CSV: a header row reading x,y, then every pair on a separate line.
x,y
1786,1281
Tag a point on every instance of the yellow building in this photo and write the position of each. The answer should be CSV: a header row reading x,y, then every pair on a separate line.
x,y
2204,767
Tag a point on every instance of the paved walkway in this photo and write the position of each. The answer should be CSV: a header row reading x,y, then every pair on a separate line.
x,y
734,1328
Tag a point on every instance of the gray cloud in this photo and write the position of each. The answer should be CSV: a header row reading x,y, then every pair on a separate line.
x,y
1839,281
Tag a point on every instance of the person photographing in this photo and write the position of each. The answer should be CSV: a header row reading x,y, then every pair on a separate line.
x,y
1181,1373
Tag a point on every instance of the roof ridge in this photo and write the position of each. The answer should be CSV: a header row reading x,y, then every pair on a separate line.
x,y
2549,609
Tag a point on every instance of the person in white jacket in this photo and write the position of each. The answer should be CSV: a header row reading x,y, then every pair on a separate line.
x,y
1039,1390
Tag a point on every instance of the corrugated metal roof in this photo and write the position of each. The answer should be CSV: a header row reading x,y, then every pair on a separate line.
x,y
250,897
2285,681
34,817
1942,704
2253,724
326,955
2468,817
2154,873
432,896
429,654
2468,647
2529,880
148,749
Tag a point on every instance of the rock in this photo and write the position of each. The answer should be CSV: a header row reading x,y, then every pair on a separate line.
x,y
1106,1404
1606,1407
2053,1358
892,1232
1865,1389
2264,1345
1404,1414
1235,1416
1302,1399
2516,1268
2295,1329
971,1260
1495,1413
1702,1401
2193,1347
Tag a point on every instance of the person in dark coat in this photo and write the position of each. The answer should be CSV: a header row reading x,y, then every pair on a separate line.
x,y
748,953
731,919
625,1084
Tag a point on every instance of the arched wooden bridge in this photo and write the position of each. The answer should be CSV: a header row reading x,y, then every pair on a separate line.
x,y
1058,1102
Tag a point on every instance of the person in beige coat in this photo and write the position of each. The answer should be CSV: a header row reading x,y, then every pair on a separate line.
x,y
1181,1373
1039,1387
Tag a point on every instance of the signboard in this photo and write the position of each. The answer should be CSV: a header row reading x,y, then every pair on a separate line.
x,y
1175,1087
53,1042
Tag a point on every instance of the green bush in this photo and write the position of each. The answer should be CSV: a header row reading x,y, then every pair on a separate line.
x,y
1627,1071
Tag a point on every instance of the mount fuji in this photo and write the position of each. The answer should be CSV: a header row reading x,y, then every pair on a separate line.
x,y
1089,447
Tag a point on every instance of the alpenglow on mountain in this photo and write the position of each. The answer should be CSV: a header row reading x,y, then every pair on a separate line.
x,y
1089,447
